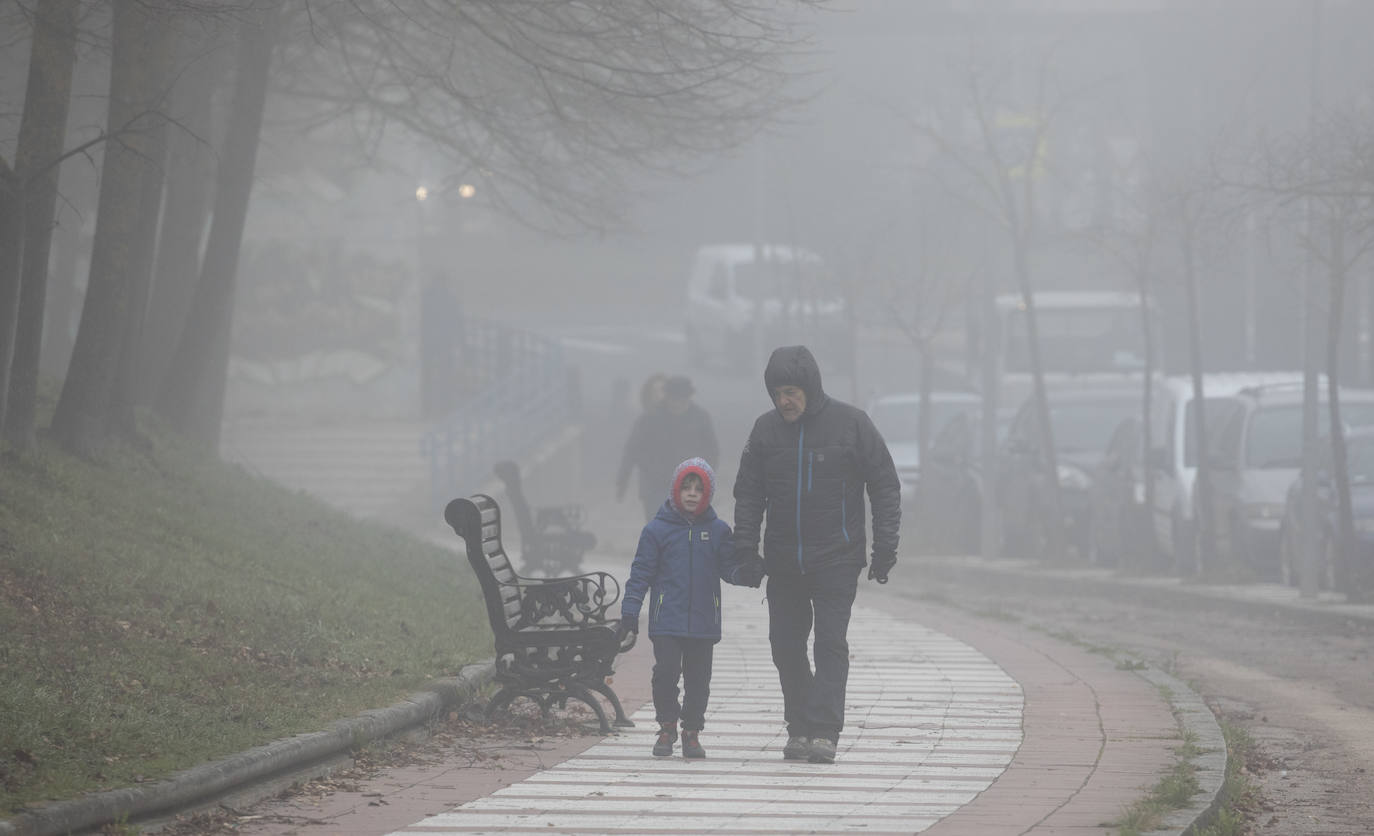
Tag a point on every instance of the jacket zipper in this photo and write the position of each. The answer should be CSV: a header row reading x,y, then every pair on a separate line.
x,y
801,449
691,560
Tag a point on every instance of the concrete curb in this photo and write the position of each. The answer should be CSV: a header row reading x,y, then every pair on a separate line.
x,y
238,773
1197,720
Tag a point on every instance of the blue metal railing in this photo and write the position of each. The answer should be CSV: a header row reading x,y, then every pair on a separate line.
x,y
513,390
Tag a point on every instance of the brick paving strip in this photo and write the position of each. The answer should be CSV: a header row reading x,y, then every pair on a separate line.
x,y
1097,738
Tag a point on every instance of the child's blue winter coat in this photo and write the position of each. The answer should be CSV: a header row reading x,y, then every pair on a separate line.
x,y
678,568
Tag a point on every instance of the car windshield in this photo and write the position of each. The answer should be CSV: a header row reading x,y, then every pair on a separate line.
x,y
1088,425
1078,340
1274,437
899,421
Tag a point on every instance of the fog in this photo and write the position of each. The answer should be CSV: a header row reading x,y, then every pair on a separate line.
x,y
923,154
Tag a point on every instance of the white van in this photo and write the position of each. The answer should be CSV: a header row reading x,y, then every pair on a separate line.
x,y
744,300
1175,450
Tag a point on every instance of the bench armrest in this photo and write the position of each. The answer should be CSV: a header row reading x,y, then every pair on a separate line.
x,y
577,601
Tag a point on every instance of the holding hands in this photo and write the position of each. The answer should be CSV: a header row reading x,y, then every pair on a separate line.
x,y
751,572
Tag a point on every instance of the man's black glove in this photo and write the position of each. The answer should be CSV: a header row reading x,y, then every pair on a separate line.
x,y
628,624
751,573
879,567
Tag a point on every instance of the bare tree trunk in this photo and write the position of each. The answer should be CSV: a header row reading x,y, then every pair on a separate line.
x,y
11,250
923,422
64,298
124,397
83,418
192,398
190,176
923,426
1307,571
1054,532
1204,540
1340,471
989,517
1147,414
42,130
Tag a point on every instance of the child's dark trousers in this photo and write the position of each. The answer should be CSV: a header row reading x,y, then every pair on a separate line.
x,y
689,660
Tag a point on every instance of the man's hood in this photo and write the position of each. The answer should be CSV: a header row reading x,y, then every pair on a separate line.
x,y
794,365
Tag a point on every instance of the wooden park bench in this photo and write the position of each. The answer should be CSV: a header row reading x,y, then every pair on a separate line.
x,y
553,639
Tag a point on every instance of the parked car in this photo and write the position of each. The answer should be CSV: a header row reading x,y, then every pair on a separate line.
x,y
1082,420
1120,532
1175,454
898,417
1333,573
948,512
744,299
1256,457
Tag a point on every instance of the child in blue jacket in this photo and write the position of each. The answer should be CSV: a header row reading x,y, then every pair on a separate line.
x,y
684,553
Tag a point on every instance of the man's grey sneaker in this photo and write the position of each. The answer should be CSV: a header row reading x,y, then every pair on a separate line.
x,y
797,749
667,736
822,750
691,747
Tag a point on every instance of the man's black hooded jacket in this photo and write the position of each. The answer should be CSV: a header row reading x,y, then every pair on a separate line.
x,y
809,477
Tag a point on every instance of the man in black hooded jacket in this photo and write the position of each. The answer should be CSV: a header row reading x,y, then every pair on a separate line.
x,y
804,469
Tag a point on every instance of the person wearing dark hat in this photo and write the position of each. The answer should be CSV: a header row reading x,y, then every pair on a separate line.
x,y
800,485
663,435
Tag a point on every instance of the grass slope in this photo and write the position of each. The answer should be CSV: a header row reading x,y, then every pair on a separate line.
x,y
158,610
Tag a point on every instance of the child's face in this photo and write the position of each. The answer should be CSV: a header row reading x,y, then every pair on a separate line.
x,y
690,494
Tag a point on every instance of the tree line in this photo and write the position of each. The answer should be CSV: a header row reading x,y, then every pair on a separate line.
x,y
558,104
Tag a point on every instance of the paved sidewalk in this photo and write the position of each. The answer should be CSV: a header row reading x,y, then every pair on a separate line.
x,y
957,725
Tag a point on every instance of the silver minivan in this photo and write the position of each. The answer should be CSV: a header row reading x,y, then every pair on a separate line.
x,y
1174,458
1256,456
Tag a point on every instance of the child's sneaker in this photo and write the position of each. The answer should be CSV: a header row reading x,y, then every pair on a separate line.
x,y
797,749
667,736
822,750
691,747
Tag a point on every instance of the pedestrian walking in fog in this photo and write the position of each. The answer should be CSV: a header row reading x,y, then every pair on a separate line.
x,y
803,472
684,552
663,435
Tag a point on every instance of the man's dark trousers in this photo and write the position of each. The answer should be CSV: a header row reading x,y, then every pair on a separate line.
x,y
813,703
689,659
